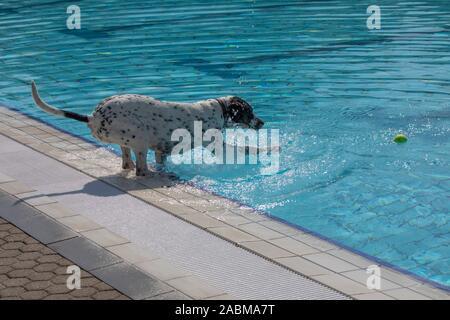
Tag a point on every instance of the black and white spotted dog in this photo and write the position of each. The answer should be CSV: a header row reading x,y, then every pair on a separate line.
x,y
140,122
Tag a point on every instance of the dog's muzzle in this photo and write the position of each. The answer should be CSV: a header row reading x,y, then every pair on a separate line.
x,y
256,123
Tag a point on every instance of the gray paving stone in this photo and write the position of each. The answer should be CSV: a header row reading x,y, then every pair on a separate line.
x,y
232,234
12,210
352,258
373,296
174,295
330,262
224,296
203,221
343,284
397,277
79,223
45,229
406,294
132,253
104,237
194,287
5,178
85,253
131,281
162,269
260,231
361,277
315,242
55,210
34,198
15,187
303,266
38,226
293,245
266,249
281,227
431,292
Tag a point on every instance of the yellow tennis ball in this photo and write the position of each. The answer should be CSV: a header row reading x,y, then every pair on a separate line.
x,y
400,138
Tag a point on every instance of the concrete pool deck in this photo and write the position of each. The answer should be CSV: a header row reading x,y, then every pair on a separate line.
x,y
176,232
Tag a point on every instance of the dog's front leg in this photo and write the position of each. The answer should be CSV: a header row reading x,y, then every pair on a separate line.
x,y
127,163
160,157
141,161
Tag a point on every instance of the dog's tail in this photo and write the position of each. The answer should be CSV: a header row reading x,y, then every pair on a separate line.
x,y
49,109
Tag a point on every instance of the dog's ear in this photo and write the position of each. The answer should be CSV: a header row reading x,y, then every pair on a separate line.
x,y
239,110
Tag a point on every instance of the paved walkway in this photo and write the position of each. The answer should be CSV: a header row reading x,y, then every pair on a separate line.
x,y
31,270
184,256
184,248
45,236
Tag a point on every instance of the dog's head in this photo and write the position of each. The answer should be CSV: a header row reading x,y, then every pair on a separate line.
x,y
237,111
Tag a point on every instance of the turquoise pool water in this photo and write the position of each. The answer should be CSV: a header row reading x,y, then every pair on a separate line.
x,y
338,93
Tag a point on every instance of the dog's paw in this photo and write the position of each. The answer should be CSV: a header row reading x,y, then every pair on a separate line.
x,y
143,172
128,166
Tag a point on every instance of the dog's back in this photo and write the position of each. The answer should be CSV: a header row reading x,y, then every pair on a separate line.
x,y
135,119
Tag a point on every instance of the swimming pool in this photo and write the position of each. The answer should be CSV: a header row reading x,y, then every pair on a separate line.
x,y
338,93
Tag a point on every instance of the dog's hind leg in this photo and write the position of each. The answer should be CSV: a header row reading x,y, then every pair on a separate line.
x,y
141,161
127,163
160,156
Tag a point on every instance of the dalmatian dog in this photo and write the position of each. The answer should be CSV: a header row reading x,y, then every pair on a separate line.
x,y
139,123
